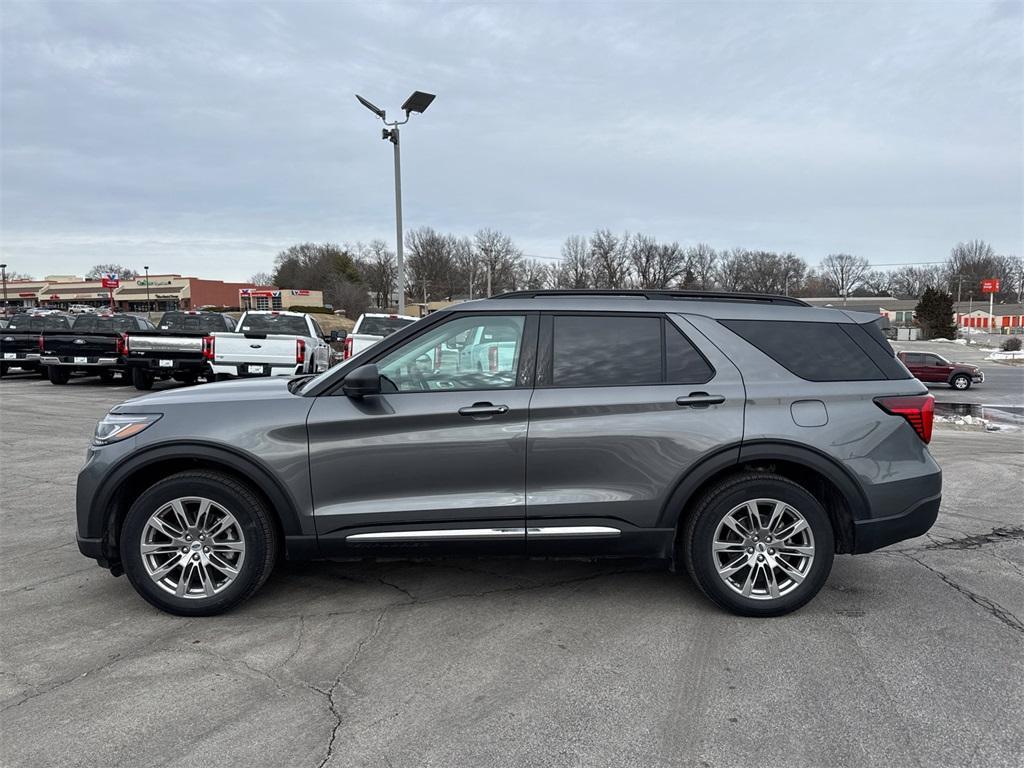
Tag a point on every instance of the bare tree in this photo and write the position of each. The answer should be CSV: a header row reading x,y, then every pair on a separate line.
x,y
123,272
731,270
642,251
325,267
576,269
261,278
976,261
430,264
700,266
499,257
670,265
844,272
610,259
379,272
534,275
877,282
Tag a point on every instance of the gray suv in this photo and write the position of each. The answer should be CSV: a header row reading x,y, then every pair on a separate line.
x,y
746,437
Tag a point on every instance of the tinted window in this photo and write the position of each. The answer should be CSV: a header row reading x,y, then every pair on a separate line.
x,y
84,324
182,321
591,351
812,351
683,363
288,324
383,326
479,352
37,324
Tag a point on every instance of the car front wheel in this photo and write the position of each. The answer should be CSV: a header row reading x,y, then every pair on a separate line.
x,y
758,544
198,543
961,382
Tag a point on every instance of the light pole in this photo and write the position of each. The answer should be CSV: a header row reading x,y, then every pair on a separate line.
x,y
418,102
149,305
3,271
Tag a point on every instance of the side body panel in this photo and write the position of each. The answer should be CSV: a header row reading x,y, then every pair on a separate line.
x,y
612,456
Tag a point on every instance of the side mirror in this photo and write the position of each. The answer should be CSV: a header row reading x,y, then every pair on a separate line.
x,y
363,381
337,336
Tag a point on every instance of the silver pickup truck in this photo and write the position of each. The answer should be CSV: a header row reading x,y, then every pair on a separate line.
x,y
269,344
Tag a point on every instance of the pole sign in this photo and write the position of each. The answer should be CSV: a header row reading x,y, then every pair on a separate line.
x,y
990,286
110,281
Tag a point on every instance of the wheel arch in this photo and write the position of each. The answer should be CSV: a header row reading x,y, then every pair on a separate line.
x,y
128,480
822,476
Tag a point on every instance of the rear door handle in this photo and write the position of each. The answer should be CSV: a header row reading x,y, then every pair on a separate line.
x,y
700,400
483,409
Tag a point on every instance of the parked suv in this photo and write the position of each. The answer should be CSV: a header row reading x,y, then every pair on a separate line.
x,y
745,437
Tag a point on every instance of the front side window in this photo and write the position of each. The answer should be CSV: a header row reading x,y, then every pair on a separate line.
x,y
479,352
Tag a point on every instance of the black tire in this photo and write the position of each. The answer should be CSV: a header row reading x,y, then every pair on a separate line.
x,y
142,379
960,382
57,375
699,532
257,531
106,376
3,369
42,371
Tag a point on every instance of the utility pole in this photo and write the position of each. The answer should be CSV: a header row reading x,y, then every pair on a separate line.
x,y
417,102
149,304
488,279
3,271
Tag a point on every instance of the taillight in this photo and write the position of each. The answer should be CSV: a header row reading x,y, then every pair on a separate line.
x,y
347,352
208,342
42,344
122,344
300,351
918,410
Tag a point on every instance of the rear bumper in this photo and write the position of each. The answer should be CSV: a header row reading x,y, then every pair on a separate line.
x,y
240,369
186,365
875,533
92,362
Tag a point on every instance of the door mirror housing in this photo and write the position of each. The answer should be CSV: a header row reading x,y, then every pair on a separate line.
x,y
363,381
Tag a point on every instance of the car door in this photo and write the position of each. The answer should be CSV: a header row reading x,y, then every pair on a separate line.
x,y
625,405
438,459
916,365
939,370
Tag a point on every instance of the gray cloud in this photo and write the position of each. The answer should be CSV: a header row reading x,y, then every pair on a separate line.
x,y
203,138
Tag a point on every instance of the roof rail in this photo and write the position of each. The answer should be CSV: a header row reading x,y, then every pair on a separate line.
x,y
658,294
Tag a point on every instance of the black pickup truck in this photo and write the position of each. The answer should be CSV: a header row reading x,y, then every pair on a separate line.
x,y
19,341
174,349
92,346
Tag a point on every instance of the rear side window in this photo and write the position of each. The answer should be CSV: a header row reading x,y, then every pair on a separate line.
x,y
382,326
622,350
182,321
812,351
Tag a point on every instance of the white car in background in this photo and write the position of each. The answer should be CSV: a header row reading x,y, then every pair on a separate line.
x,y
372,328
80,309
268,344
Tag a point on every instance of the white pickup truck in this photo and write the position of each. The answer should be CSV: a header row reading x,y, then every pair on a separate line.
x,y
268,344
371,328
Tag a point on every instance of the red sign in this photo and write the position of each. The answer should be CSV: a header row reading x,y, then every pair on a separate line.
x,y
990,286
111,282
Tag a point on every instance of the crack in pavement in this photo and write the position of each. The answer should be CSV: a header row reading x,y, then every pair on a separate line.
x,y
989,605
330,693
970,541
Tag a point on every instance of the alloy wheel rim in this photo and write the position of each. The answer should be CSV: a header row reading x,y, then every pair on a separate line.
x,y
192,547
763,549
960,383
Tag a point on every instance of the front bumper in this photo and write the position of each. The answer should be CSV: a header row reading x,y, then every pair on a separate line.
x,y
872,534
978,377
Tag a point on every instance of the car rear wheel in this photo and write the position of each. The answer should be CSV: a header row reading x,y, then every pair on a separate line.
x,y
58,375
198,543
960,381
758,545
142,379
106,376
3,369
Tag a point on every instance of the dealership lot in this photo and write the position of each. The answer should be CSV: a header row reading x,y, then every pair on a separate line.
x,y
909,656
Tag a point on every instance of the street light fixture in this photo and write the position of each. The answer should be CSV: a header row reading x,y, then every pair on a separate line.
x,y
417,102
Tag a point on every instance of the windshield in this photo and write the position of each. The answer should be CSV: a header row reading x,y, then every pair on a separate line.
x,y
294,325
105,324
183,321
383,326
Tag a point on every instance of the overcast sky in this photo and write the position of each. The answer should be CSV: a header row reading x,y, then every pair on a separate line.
x,y
203,139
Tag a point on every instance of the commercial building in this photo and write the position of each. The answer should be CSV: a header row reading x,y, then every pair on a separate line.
x,y
158,293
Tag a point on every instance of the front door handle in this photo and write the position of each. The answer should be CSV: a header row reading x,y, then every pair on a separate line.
x,y
477,410
700,400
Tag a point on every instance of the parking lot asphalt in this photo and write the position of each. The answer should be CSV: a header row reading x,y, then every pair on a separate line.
x,y
911,656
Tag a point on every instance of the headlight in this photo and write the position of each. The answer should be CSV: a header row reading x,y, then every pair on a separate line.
x,y
119,426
